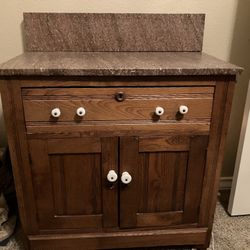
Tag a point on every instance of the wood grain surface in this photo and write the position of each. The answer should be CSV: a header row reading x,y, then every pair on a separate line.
x,y
60,167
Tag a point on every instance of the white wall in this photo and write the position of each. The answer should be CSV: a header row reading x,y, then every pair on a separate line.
x,y
240,54
239,203
218,39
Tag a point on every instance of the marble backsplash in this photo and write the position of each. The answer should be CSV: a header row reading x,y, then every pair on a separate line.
x,y
81,32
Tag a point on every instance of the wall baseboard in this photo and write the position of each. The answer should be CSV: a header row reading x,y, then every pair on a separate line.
x,y
226,182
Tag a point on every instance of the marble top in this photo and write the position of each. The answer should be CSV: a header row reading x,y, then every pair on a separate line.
x,y
116,63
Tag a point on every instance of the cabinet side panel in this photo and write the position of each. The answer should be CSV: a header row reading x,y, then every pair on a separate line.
x,y
13,115
219,126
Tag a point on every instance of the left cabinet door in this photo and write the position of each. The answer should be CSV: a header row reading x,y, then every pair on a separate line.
x,y
70,182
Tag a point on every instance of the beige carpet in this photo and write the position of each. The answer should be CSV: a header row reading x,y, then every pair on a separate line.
x,y
229,233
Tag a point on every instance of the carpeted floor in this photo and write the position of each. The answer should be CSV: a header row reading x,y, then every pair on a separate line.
x,y
229,233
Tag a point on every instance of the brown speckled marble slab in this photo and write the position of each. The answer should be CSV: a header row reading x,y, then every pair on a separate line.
x,y
83,32
116,63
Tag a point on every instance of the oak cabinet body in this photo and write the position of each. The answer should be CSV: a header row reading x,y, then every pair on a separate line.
x,y
61,163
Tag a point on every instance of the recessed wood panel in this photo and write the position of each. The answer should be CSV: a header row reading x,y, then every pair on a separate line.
x,y
163,182
77,183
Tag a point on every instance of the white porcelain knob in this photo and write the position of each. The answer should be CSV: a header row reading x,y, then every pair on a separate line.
x,y
112,176
126,178
183,109
159,111
81,111
56,112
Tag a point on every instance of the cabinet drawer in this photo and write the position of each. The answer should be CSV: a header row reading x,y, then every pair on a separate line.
x,y
118,104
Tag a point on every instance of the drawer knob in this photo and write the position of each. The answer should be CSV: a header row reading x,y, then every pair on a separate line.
x,y
81,111
126,178
183,109
159,111
112,176
56,112
120,96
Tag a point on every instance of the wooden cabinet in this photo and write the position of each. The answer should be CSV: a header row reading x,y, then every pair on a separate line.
x,y
162,139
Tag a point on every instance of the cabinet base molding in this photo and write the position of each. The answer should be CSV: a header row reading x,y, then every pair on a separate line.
x,y
115,240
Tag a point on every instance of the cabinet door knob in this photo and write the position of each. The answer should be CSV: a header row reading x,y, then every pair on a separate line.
x,y
81,111
159,111
183,109
56,112
126,178
112,176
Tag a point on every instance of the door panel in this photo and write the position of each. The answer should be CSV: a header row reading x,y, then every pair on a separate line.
x,y
71,174
69,178
163,184
167,174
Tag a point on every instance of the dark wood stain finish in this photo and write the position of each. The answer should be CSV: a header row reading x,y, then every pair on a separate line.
x,y
68,182
101,104
166,182
60,166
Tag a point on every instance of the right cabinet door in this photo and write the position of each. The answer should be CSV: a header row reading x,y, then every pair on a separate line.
x,y
167,176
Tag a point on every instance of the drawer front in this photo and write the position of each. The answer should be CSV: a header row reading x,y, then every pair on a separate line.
x,y
118,104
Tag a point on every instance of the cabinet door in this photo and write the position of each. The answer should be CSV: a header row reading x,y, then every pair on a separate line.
x,y
167,176
69,178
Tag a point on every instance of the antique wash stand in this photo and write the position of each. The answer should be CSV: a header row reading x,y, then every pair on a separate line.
x,y
116,126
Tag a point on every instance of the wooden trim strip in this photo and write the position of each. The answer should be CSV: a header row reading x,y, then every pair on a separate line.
x,y
129,162
109,92
122,129
120,81
168,143
124,122
76,146
158,219
194,236
109,161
